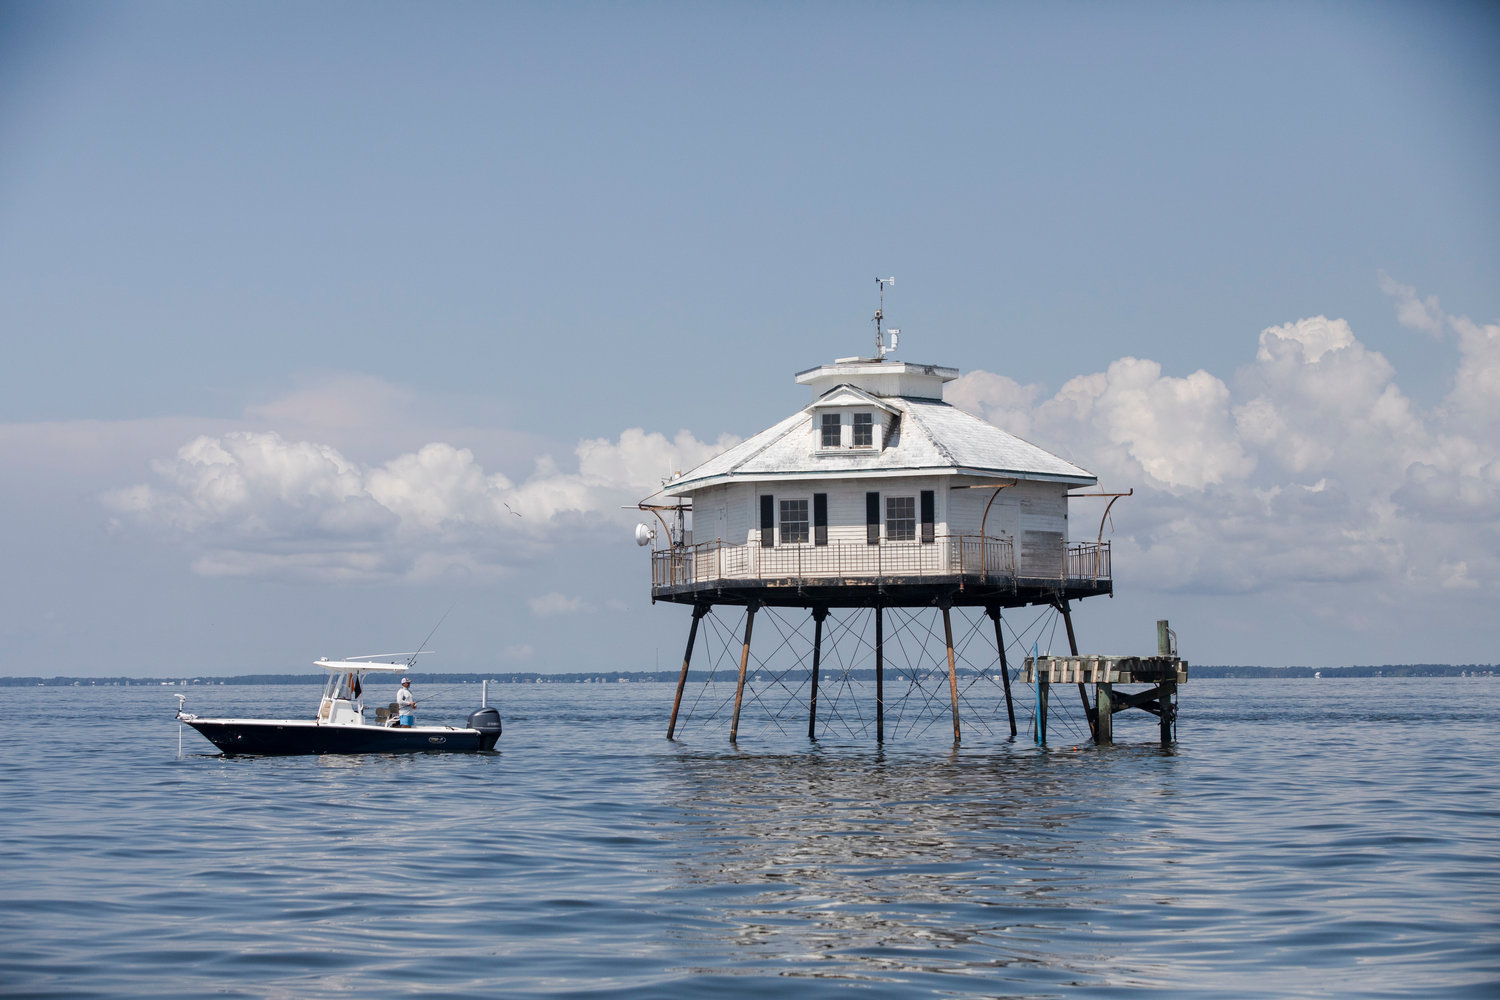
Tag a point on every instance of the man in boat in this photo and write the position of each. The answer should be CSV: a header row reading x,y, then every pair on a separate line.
x,y
405,703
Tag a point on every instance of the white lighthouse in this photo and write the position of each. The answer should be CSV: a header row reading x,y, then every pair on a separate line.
x,y
877,494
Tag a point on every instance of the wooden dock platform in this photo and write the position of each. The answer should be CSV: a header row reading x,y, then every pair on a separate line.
x,y
1105,669
1163,673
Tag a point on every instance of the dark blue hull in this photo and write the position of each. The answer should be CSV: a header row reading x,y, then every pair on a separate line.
x,y
238,737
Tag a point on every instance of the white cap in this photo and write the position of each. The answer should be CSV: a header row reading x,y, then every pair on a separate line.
x,y
406,680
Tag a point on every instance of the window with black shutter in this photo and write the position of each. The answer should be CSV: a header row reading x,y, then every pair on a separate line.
x,y
929,517
793,522
767,522
872,518
900,519
820,518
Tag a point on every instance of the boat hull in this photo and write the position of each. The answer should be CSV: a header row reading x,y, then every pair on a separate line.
x,y
249,737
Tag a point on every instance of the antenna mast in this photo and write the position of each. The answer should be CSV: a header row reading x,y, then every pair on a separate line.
x,y
880,315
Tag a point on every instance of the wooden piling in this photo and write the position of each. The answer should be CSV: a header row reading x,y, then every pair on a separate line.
x,y
1104,713
739,691
812,705
699,610
1042,685
952,672
1167,700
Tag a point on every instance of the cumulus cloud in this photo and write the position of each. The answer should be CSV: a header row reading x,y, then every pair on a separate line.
x,y
1132,413
1310,466
557,604
1418,314
253,503
1476,384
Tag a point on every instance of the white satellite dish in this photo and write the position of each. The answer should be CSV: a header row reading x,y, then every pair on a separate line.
x,y
644,534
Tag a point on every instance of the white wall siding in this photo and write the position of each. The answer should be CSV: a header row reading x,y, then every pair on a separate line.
x,y
1043,507
737,499
709,515
846,502
966,511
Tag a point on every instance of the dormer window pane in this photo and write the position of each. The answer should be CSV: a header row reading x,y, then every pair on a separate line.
x,y
831,430
864,430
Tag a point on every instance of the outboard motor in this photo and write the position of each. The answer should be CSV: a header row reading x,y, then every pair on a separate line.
x,y
487,722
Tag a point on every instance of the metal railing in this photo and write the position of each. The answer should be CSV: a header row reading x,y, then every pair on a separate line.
x,y
1087,561
968,557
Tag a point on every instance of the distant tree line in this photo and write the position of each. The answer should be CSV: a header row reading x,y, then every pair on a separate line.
x,y
1387,670
699,676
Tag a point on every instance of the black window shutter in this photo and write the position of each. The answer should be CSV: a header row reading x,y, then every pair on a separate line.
x,y
929,517
872,518
767,522
820,518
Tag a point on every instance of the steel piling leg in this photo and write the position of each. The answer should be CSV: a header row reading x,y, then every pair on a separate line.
x,y
1083,691
699,610
952,672
1010,710
879,674
739,691
812,711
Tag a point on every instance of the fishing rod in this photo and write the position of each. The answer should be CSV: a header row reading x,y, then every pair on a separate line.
x,y
413,659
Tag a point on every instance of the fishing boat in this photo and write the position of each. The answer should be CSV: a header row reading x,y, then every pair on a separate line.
x,y
340,725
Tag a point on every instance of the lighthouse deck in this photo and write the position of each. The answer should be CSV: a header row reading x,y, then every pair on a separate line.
x,y
956,569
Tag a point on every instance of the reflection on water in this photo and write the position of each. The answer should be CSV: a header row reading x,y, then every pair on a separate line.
x,y
881,864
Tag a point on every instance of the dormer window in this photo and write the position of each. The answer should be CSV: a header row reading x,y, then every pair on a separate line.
x,y
832,428
832,415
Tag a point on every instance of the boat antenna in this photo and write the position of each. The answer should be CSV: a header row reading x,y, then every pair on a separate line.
x,y
412,660
879,316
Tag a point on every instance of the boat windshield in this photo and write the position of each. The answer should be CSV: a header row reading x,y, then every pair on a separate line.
x,y
344,686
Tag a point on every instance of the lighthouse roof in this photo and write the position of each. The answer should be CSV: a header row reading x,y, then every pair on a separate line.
x,y
880,377
928,436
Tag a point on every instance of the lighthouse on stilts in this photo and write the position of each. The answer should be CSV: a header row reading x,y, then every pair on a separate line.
x,y
879,508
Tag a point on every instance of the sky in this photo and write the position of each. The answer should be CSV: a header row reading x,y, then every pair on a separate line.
x,y
320,322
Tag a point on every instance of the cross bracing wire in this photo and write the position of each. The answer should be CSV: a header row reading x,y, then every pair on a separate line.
x,y
917,705
850,631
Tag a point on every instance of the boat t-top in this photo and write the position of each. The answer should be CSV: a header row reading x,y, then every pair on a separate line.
x,y
340,725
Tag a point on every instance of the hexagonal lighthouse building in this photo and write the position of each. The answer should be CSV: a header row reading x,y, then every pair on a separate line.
x,y
876,495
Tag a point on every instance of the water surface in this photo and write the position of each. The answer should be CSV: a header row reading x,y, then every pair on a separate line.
x,y
1308,838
